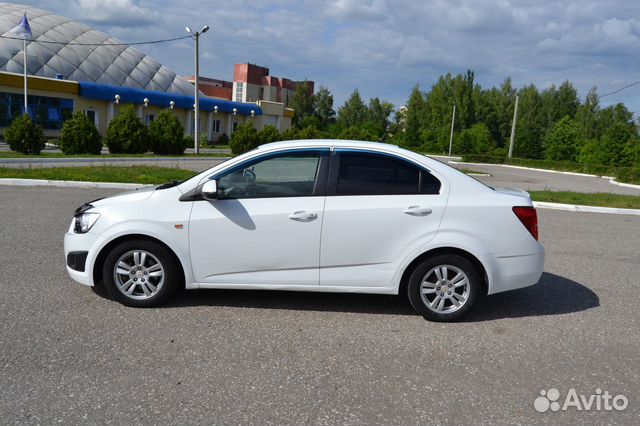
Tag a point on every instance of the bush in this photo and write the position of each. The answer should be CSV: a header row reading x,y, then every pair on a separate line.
x,y
290,134
628,175
167,134
475,140
126,134
500,152
244,139
24,136
223,139
80,136
268,134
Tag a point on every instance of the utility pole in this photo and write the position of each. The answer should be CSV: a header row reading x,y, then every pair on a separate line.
x,y
453,120
196,97
513,126
26,108
196,106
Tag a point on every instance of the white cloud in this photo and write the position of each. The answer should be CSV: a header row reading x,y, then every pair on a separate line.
x,y
114,13
383,47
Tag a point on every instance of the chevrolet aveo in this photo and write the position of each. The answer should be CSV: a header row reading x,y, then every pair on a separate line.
x,y
322,215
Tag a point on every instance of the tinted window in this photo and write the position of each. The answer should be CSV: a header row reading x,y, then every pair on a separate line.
x,y
373,174
289,175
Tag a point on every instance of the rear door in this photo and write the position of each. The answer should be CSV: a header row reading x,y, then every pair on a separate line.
x,y
379,207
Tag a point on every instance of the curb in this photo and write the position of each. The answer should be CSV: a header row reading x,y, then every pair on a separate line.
x,y
130,186
70,184
612,181
585,209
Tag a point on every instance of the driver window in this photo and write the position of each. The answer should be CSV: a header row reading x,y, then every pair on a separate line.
x,y
288,175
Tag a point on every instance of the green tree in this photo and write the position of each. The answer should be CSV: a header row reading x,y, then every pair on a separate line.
x,y
354,112
126,134
358,134
530,129
587,115
564,141
80,136
617,147
323,108
24,136
495,110
167,134
244,139
413,118
379,112
302,103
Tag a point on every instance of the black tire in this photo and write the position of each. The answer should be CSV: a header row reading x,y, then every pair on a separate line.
x,y
450,312
165,289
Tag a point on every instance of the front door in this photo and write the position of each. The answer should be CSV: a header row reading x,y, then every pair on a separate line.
x,y
265,227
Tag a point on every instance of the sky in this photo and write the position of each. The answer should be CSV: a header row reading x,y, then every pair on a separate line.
x,y
383,47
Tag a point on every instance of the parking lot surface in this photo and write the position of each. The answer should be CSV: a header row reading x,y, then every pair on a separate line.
x,y
70,355
538,180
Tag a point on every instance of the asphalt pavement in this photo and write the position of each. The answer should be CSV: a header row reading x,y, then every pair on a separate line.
x,y
69,355
536,180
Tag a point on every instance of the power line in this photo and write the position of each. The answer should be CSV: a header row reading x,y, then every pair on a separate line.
x,y
166,40
619,90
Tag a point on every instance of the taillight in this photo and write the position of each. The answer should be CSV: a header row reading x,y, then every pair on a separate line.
x,y
529,219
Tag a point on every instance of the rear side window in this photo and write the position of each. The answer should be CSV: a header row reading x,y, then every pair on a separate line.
x,y
375,174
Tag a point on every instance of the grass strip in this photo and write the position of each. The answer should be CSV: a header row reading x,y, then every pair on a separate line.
x,y
584,199
45,154
129,174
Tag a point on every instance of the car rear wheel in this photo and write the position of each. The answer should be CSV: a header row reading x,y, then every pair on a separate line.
x,y
444,288
140,274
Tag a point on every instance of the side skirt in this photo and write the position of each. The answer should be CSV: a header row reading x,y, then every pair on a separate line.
x,y
322,289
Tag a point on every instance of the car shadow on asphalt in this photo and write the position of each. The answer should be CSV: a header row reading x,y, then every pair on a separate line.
x,y
553,295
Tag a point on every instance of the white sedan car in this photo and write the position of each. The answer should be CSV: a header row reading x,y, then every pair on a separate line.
x,y
313,215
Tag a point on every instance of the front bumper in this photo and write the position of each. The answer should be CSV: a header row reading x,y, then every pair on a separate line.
x,y
77,246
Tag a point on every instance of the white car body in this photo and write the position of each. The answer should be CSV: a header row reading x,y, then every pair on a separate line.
x,y
358,243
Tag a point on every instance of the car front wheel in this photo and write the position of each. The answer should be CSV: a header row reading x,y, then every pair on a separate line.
x,y
140,274
444,288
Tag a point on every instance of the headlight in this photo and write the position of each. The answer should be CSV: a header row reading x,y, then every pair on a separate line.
x,y
84,221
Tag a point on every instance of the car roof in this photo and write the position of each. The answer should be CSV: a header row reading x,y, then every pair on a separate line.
x,y
332,142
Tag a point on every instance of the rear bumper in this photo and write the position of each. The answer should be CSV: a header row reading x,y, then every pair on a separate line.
x,y
513,272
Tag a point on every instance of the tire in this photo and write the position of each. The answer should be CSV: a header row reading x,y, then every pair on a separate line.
x,y
152,277
435,293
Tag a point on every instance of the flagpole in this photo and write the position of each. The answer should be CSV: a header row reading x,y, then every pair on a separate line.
x,y
26,110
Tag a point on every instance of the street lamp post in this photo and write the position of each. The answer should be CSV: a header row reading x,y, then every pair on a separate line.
x,y
196,37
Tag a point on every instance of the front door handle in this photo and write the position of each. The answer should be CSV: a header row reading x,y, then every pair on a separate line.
x,y
302,216
417,211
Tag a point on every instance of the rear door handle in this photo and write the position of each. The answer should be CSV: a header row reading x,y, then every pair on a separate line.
x,y
417,211
302,216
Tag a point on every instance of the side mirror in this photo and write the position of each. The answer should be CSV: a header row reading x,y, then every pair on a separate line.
x,y
210,190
